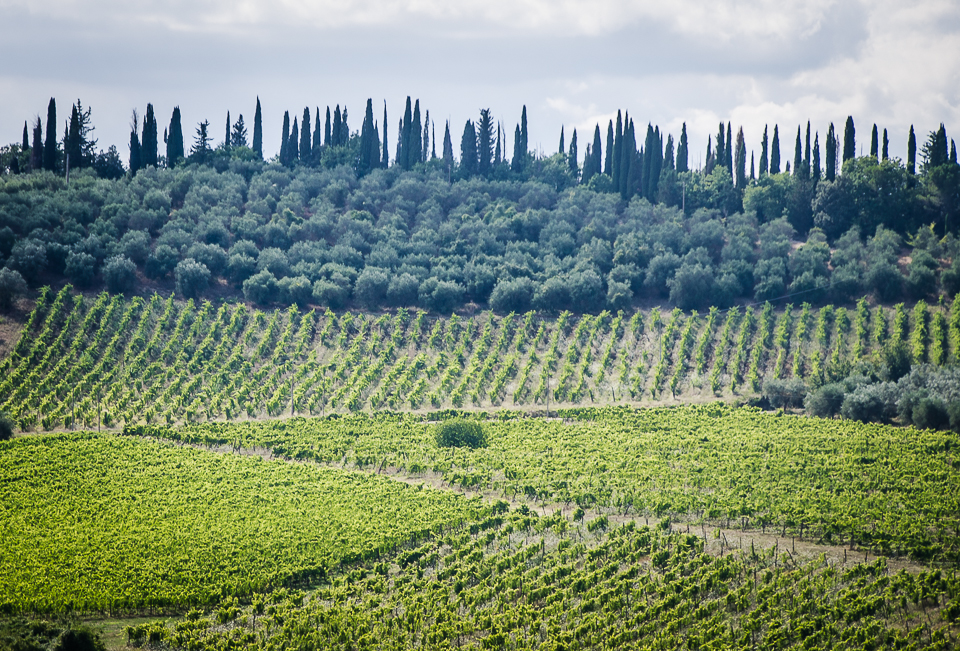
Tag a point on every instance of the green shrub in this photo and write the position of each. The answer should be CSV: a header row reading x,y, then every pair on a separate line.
x,y
6,427
826,401
461,434
931,413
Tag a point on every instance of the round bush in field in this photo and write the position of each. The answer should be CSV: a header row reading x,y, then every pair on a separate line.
x,y
461,434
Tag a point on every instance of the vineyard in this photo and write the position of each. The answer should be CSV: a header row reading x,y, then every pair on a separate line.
x,y
99,523
106,361
520,581
891,490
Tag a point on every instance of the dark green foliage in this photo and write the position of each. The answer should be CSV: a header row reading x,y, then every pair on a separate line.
x,y
80,268
175,150
849,140
775,151
512,295
912,152
21,634
238,135
886,146
935,151
484,143
148,144
930,413
136,156
896,361
826,401
468,151
874,142
7,427
293,145
120,274
12,286
200,151
305,139
831,154
798,156
369,143
192,278
51,151
73,152
784,393
258,131
441,296
370,289
683,150
460,433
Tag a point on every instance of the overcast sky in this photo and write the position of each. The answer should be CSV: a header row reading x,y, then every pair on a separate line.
x,y
572,62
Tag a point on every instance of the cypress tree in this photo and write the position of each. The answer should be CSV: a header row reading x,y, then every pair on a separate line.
x,y
668,160
752,176
448,149
764,154
468,151
657,166
816,158
175,150
426,137
305,139
293,150
226,133
596,152
399,156
573,156
741,161
148,143
285,139
912,152
403,146
587,166
74,156
50,153
484,146
775,151
25,146
617,151
327,130
874,142
728,152
433,140
806,153
317,143
515,164
935,151
608,159
524,137
719,156
831,154
368,143
711,161
683,152
344,128
628,149
258,131
201,144
953,151
561,151
885,152
416,136
647,184
497,157
36,152
136,157
386,152
337,126
849,140
798,156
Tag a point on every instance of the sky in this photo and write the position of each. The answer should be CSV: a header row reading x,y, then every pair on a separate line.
x,y
573,63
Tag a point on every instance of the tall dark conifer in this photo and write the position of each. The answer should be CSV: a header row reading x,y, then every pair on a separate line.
x,y
683,151
136,157
775,151
226,133
72,150
516,162
36,151
628,148
385,162
369,147
816,158
573,156
285,139
875,142
618,151
849,140
416,136
426,137
728,152
596,152
484,149
752,176
806,153
404,145
524,136
337,126
831,173
608,155
497,152
306,141
468,151
719,156
798,156
317,144
711,160
886,146
51,154
258,131
561,150
175,151
25,145
668,155
764,153
912,152
740,164
328,130
293,147
149,144
953,151
448,150
238,135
